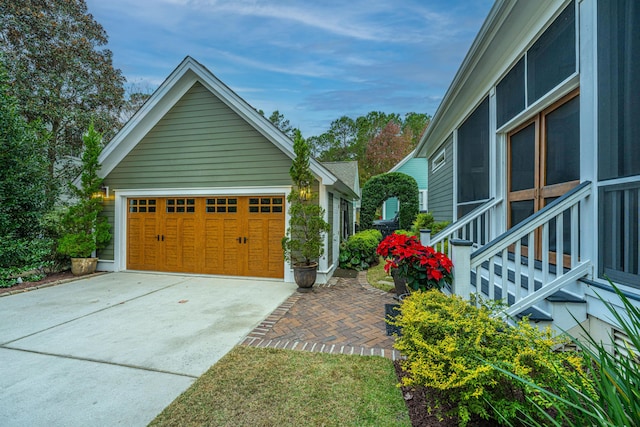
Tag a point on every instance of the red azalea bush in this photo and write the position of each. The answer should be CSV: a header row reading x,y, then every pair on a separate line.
x,y
423,267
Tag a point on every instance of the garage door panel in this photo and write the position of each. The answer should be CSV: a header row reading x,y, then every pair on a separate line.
x,y
231,254
142,250
239,236
213,246
276,232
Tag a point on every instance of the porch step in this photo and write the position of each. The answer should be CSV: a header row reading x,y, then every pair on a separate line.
x,y
535,315
558,309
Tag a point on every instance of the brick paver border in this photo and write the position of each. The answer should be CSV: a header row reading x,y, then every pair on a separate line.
x,y
256,338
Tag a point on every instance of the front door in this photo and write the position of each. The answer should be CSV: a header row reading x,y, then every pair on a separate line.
x,y
544,163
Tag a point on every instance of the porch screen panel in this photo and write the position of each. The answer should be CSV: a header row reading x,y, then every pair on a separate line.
x,y
523,153
510,99
618,136
563,143
473,158
618,88
619,237
552,58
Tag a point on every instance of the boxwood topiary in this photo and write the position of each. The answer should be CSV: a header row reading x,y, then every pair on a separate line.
x,y
380,188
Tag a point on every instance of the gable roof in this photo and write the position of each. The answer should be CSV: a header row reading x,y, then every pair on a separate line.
x,y
170,92
347,172
403,161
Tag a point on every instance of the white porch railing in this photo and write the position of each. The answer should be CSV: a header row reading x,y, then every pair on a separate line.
x,y
520,243
474,226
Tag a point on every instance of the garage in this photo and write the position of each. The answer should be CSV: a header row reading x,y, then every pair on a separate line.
x,y
225,235
196,182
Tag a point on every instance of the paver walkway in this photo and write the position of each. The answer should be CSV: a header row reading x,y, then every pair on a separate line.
x,y
345,316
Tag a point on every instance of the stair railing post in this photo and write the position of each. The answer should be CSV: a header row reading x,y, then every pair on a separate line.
x,y
425,237
461,258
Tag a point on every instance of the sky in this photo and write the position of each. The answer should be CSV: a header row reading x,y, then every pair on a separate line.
x,y
313,61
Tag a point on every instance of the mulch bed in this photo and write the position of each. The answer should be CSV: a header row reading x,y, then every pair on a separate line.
x,y
50,278
419,398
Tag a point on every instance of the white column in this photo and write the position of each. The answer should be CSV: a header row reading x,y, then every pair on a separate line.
x,y
461,258
425,237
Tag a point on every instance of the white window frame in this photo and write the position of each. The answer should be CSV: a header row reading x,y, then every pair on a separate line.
x,y
439,160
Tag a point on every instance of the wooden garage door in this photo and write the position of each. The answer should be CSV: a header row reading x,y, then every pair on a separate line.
x,y
228,235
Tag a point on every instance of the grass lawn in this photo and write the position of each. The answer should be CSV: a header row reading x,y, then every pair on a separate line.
x,y
377,277
270,387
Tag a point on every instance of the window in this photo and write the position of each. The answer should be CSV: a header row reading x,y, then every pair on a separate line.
x,y
618,89
422,196
438,161
552,58
473,156
142,205
181,205
266,205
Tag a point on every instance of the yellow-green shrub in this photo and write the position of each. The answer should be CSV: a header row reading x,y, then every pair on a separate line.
x,y
453,346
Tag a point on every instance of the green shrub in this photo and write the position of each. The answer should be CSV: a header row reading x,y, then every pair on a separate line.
x,y
358,252
20,255
438,226
457,348
422,221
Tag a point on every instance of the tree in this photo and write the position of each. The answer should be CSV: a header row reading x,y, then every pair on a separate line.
x,y
135,97
60,74
304,241
85,229
282,123
385,150
415,124
369,127
23,175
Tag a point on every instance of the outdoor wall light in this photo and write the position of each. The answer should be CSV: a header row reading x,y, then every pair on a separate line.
x,y
305,190
103,194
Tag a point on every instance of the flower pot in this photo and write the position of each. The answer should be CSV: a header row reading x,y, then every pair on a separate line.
x,y
400,283
305,276
82,266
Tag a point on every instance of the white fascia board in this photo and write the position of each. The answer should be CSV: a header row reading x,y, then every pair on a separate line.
x,y
171,91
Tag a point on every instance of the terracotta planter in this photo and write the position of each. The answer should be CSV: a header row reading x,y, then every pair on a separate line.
x,y
305,276
83,266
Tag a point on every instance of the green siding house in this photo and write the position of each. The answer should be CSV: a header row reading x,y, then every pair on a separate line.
x,y
533,154
197,183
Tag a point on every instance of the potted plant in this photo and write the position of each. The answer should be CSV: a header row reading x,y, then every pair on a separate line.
x,y
420,266
85,231
303,244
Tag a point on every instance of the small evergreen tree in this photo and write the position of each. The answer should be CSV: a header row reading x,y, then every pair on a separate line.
x,y
304,242
86,230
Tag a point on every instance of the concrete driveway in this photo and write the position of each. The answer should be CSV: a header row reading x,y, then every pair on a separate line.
x,y
118,348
